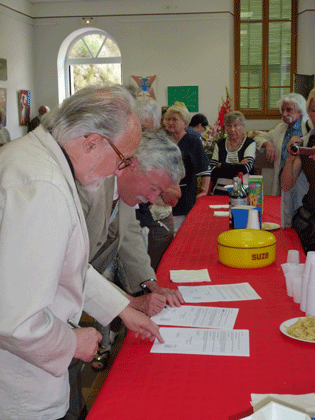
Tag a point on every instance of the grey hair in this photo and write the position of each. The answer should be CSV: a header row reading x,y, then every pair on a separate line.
x,y
157,150
298,100
311,96
94,109
234,116
148,109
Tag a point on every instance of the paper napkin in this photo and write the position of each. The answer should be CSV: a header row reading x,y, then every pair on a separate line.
x,y
189,276
304,402
221,213
219,206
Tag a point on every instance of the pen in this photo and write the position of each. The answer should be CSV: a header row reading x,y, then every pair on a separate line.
x,y
75,325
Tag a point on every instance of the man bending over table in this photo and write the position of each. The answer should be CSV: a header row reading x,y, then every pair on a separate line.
x,y
117,247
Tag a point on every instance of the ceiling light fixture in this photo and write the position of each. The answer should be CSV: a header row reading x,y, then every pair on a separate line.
x,y
86,21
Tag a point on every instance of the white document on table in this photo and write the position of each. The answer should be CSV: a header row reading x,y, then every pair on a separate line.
x,y
219,206
203,341
197,316
218,293
189,276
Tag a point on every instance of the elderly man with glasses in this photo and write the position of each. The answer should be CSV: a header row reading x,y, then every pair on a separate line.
x,y
44,249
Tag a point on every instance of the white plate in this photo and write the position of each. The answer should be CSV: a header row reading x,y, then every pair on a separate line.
x,y
288,323
269,226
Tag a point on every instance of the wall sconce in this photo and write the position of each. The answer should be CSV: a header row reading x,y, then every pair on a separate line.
x,y
87,21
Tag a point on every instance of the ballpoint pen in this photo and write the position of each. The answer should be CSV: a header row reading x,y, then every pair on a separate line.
x,y
75,325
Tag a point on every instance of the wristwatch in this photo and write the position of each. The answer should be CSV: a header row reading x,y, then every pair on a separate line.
x,y
145,287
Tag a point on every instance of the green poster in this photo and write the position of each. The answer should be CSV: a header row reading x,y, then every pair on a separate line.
x,y
186,94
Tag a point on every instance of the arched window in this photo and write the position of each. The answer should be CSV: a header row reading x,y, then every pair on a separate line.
x,y
90,57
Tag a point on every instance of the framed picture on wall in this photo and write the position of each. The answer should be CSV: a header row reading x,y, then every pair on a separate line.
x,y
187,94
25,107
3,106
3,69
144,86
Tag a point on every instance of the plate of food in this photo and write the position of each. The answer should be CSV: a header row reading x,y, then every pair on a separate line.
x,y
301,329
269,226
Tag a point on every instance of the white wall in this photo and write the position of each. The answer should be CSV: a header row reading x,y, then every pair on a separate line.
x,y
16,46
183,42
180,50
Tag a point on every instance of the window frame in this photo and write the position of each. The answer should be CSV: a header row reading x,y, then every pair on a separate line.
x,y
68,62
265,113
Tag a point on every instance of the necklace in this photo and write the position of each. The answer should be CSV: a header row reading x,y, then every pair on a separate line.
x,y
234,147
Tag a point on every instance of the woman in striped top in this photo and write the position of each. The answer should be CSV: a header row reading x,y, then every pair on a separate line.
x,y
232,154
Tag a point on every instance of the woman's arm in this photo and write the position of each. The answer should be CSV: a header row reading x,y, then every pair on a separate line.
x,y
292,168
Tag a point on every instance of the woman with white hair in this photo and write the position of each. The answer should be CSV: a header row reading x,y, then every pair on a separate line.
x,y
233,154
195,160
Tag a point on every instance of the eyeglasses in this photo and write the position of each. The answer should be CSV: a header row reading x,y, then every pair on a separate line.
x,y
124,161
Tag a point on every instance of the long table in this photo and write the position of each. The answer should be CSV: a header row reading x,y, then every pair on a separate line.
x,y
142,385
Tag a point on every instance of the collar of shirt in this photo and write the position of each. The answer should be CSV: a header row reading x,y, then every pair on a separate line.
x,y
68,160
116,195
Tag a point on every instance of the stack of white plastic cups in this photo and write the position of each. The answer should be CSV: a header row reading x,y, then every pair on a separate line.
x,y
293,272
308,285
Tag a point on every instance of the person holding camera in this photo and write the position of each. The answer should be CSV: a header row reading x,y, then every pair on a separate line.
x,y
294,123
299,159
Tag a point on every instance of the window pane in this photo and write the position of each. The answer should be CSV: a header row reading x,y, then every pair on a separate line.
x,y
279,61
87,75
110,49
251,43
279,43
279,76
275,94
250,99
94,42
79,50
251,9
280,9
251,76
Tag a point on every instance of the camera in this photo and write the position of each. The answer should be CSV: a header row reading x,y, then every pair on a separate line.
x,y
296,149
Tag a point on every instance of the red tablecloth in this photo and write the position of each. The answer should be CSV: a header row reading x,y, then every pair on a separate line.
x,y
141,385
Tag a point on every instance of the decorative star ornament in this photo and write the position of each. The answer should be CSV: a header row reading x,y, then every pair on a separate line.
x,y
145,86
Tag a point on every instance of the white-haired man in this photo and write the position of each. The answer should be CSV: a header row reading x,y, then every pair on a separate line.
x,y
294,123
44,249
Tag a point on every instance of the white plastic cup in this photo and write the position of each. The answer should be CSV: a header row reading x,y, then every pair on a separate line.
x,y
253,219
296,282
287,267
310,257
293,256
310,302
288,283
310,295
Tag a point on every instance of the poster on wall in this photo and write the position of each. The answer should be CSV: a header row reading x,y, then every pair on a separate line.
x,y
3,106
3,69
25,107
186,94
145,86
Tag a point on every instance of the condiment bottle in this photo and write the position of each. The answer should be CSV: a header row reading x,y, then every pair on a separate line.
x,y
243,190
237,197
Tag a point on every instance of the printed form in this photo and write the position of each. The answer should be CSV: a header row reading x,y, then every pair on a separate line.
x,y
218,293
197,316
203,341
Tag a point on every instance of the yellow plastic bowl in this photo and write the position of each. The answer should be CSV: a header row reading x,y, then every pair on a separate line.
x,y
246,248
